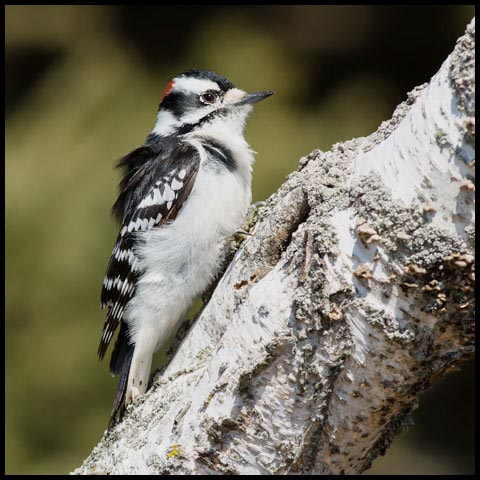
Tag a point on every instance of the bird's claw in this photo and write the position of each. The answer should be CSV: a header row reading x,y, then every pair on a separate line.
x,y
248,228
241,234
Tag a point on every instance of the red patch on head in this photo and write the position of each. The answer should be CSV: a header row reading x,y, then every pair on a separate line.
x,y
168,89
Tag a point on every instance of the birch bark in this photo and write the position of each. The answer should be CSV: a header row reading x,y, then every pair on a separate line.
x,y
354,295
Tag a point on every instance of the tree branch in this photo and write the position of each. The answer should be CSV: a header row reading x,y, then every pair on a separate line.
x,y
355,294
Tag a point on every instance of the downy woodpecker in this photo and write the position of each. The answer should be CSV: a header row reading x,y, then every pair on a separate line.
x,y
182,195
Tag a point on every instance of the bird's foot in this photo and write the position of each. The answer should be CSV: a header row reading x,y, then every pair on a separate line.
x,y
248,228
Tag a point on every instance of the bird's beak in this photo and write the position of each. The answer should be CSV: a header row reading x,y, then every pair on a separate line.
x,y
250,98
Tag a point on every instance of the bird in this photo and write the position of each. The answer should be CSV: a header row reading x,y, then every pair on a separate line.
x,y
182,195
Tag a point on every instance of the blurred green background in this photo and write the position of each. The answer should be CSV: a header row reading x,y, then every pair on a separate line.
x,y
82,88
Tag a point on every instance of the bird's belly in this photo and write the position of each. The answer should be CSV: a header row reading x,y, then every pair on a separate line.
x,y
179,260
184,256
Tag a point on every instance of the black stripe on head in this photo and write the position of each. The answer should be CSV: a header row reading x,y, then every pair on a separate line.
x,y
178,103
222,82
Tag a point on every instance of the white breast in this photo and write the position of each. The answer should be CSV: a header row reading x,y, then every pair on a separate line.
x,y
180,259
186,253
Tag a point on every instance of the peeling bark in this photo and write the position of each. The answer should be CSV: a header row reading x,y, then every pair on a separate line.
x,y
354,295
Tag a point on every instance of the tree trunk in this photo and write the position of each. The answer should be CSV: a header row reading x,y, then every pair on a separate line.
x,y
355,293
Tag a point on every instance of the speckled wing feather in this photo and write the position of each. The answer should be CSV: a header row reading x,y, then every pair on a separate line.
x,y
167,183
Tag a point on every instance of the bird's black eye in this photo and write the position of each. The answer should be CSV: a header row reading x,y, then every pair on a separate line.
x,y
208,98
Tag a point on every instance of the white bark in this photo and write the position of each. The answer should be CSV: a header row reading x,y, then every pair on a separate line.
x,y
354,294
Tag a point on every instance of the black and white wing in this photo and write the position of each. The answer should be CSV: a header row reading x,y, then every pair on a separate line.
x,y
166,185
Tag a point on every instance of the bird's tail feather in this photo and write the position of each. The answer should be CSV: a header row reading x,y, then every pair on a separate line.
x,y
120,364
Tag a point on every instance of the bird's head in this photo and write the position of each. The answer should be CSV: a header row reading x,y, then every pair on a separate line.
x,y
199,97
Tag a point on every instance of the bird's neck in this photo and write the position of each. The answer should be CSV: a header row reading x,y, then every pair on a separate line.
x,y
226,123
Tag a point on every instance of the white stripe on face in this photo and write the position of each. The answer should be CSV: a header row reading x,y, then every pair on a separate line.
x,y
193,85
166,123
